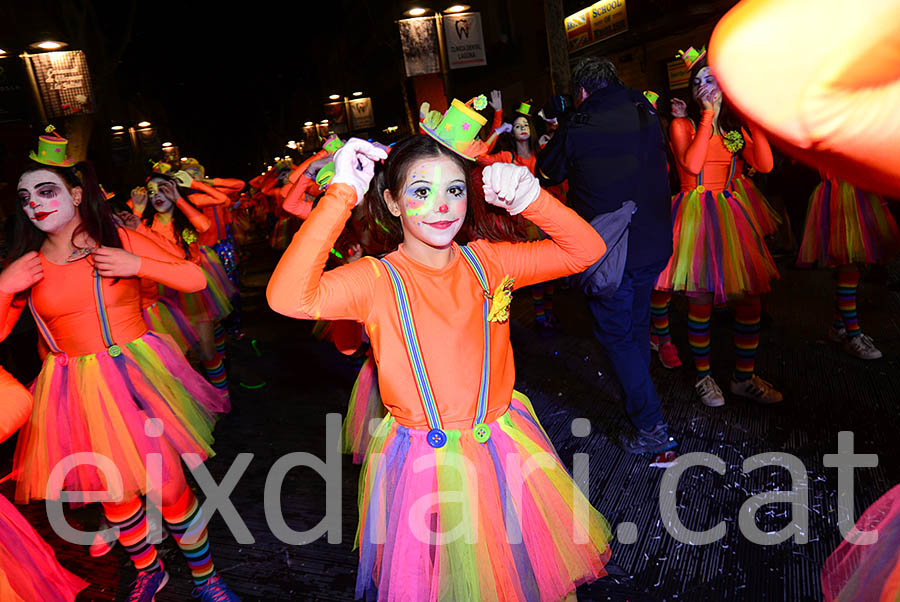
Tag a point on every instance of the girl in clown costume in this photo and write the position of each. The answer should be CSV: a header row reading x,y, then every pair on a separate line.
x,y
109,388
454,427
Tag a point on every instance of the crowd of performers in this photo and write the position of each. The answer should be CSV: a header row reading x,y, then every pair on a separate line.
x,y
408,254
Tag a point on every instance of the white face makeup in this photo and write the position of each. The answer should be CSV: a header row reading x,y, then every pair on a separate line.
x,y
520,130
46,200
160,201
705,85
433,201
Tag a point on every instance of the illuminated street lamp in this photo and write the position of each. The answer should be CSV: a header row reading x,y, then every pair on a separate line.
x,y
117,128
416,11
457,8
357,94
48,45
144,124
334,96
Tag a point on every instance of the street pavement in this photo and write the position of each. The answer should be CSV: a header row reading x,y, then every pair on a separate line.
x,y
284,383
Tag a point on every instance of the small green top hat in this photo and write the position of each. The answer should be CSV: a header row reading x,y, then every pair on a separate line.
x,y
51,149
458,128
525,108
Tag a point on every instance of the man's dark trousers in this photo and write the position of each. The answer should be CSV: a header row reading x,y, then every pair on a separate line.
x,y
622,325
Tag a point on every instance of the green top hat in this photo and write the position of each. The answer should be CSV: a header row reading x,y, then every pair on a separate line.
x,y
652,96
51,149
458,128
525,108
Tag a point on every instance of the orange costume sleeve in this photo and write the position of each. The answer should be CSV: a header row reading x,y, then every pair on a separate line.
x,y
689,148
199,221
757,151
208,195
451,333
161,266
822,79
229,184
495,123
501,157
295,202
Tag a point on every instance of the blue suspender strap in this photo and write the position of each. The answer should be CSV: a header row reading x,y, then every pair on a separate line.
x,y
436,436
105,330
731,171
481,431
44,330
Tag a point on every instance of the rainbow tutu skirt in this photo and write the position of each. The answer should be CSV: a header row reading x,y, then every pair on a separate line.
x,y
212,303
167,316
717,248
767,219
116,411
494,521
856,572
364,407
847,225
29,571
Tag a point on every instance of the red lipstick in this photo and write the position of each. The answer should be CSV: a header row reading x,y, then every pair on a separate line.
x,y
41,215
441,225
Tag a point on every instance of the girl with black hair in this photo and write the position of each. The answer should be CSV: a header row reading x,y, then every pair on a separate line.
x,y
178,221
117,398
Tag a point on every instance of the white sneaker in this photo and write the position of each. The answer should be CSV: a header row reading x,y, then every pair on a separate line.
x,y
837,335
709,392
862,346
756,389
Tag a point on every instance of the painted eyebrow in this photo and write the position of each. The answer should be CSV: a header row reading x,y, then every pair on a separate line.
x,y
46,184
417,182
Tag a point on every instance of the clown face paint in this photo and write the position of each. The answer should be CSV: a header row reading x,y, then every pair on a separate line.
x,y
160,201
432,206
705,85
520,130
46,200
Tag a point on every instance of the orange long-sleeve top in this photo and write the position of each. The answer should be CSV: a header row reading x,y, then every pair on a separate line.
x,y
64,298
822,79
149,288
296,201
508,157
446,303
700,150
213,203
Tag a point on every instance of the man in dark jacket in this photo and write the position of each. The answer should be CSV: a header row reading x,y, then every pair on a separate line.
x,y
612,150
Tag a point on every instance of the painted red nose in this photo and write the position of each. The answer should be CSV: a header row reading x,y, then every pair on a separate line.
x,y
32,204
444,208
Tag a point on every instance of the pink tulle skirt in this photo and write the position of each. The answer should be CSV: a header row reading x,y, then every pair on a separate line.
x,y
864,573
464,523
29,571
845,225
114,411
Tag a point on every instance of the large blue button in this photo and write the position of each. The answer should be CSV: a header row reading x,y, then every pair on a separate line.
x,y
436,438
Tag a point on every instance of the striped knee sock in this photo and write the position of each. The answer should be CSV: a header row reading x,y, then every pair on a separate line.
x,y
215,372
184,521
537,294
698,336
219,338
746,337
131,520
659,315
848,282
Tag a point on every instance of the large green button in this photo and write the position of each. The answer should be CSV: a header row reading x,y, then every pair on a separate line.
x,y
481,432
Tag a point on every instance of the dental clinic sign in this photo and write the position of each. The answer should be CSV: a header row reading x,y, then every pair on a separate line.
x,y
464,40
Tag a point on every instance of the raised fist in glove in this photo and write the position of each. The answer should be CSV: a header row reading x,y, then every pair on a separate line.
x,y
506,127
354,165
22,274
509,186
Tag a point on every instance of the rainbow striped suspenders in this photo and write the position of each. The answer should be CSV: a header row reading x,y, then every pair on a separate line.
x,y
436,436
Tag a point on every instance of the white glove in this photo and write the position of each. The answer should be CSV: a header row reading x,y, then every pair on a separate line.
x,y
506,127
354,165
510,186
183,178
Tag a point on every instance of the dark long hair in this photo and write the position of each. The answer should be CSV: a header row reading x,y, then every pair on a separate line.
x,y
728,119
95,213
532,136
483,221
180,222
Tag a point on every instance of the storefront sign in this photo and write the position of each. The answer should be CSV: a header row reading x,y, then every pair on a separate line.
x,y
679,76
464,40
362,116
419,40
64,82
596,23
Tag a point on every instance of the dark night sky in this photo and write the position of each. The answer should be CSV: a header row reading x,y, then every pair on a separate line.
x,y
228,85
